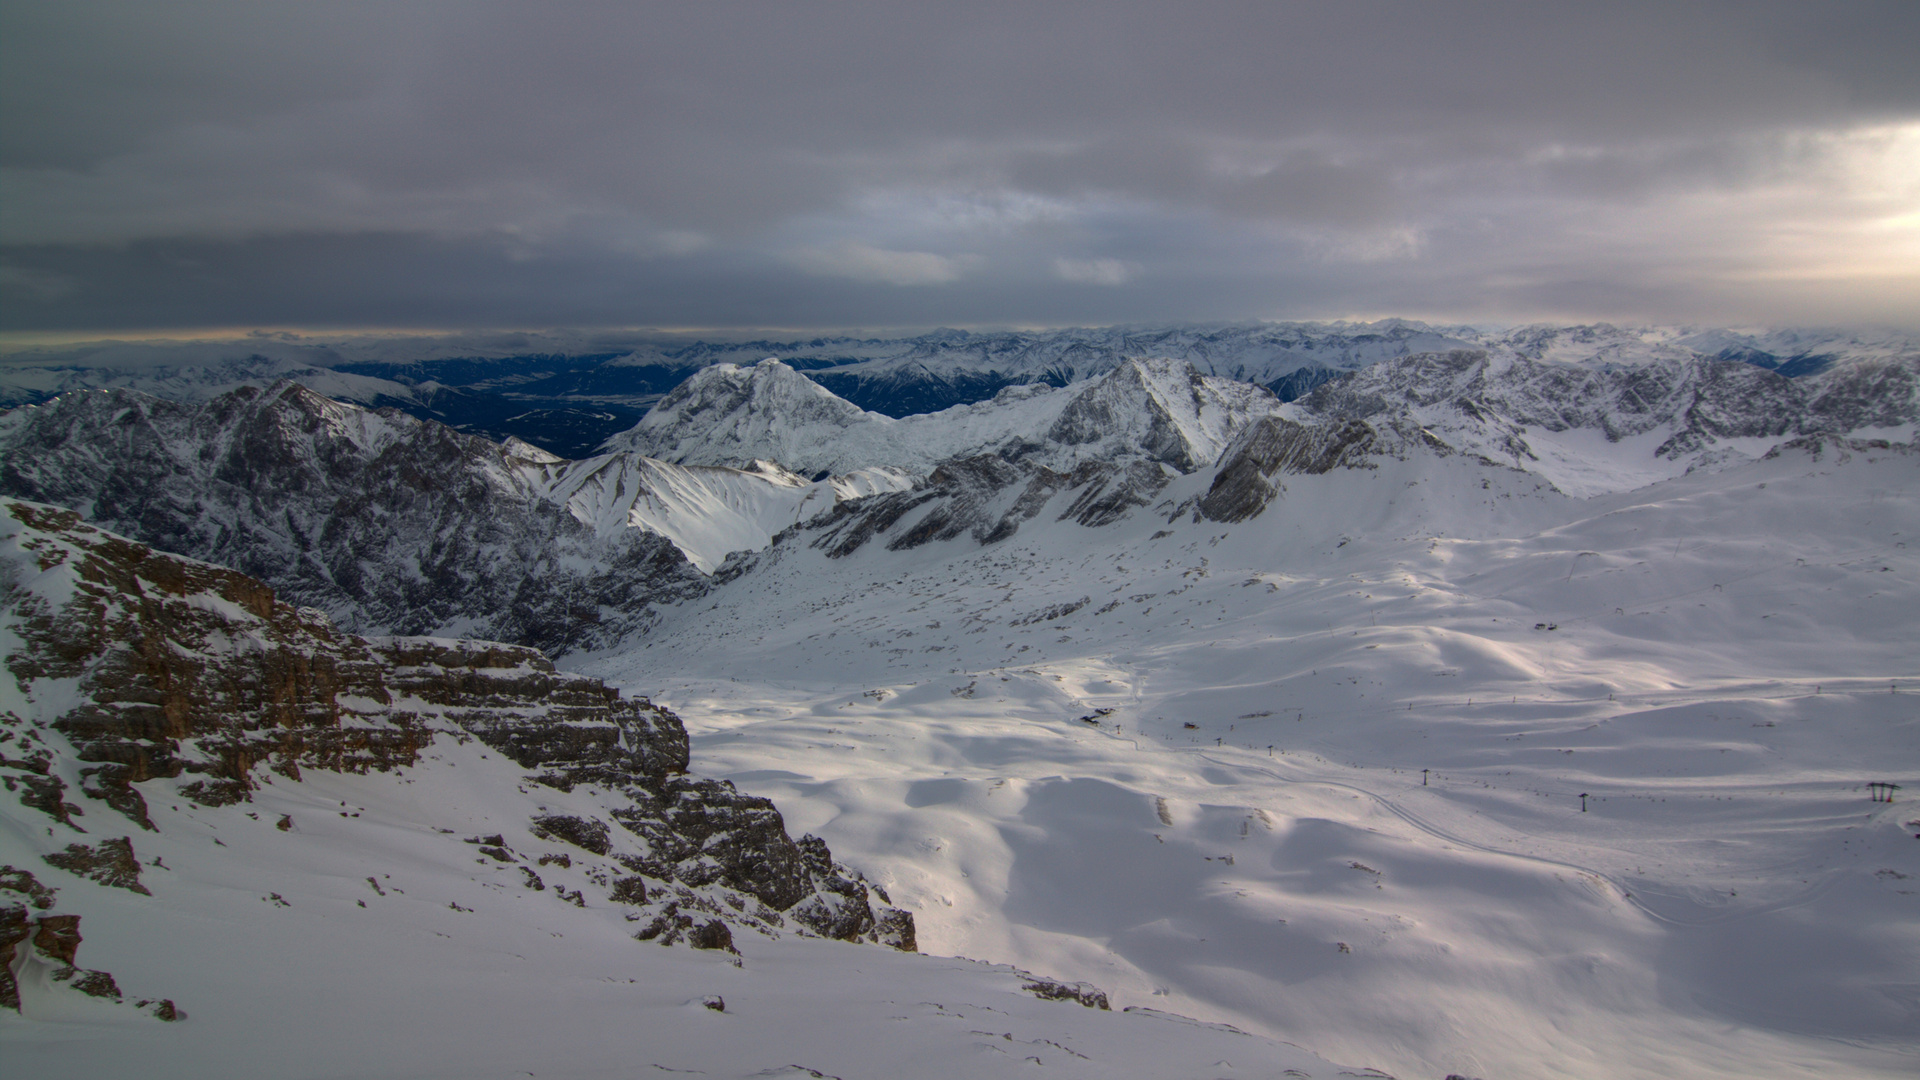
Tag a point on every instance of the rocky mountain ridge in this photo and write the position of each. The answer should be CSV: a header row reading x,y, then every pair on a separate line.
x,y
1160,410
136,676
397,525
1581,429
1655,419
389,522
567,391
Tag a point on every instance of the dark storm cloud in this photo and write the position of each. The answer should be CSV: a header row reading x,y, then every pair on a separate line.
x,y
889,164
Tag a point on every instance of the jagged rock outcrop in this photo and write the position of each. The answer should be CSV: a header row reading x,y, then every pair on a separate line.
x,y
111,863
1086,994
384,521
38,945
173,670
684,830
1241,486
987,497
149,638
586,732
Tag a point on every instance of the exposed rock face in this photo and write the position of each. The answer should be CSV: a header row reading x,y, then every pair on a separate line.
x,y
987,497
148,635
583,833
585,731
688,831
845,905
111,863
1242,488
1086,994
383,520
36,943
187,672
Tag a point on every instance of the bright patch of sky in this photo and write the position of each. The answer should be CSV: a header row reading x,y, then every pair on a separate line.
x,y
448,165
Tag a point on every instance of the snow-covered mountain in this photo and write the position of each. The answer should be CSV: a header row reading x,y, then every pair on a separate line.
x,y
568,391
1590,429
405,525
1163,410
1543,679
402,525
952,366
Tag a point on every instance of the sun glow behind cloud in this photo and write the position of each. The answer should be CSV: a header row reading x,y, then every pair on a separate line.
x,y
885,167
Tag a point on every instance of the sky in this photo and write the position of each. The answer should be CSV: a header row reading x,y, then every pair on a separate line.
x,y
429,166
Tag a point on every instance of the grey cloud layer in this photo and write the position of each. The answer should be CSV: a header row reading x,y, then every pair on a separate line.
x,y
888,164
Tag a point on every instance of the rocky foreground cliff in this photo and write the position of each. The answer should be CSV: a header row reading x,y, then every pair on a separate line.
x,y
137,678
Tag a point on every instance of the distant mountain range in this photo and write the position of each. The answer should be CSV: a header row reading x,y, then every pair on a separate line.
x,y
568,393
404,525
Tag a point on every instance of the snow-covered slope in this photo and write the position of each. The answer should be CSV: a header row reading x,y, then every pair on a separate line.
x,y
407,857
1320,773
706,512
1163,410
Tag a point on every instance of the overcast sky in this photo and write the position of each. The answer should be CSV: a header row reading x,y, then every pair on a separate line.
x,y
448,166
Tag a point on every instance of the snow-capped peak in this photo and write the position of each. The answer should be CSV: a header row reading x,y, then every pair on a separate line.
x,y
730,415
1162,409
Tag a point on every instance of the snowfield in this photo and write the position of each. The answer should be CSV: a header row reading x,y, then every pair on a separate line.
x,y
369,941
1320,775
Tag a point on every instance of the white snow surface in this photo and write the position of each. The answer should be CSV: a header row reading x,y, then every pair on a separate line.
x,y
1320,775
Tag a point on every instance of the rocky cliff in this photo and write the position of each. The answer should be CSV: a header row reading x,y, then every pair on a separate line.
x,y
385,521
135,674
